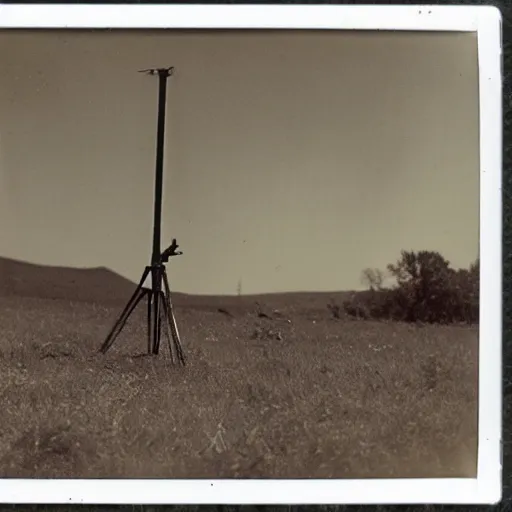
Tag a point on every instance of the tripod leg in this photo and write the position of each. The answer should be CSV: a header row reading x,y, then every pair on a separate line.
x,y
172,320
157,285
150,305
168,326
123,319
124,314
159,323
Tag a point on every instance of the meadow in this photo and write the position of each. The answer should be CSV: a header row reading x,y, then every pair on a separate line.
x,y
275,387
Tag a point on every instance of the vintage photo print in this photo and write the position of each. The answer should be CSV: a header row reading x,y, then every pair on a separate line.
x,y
232,254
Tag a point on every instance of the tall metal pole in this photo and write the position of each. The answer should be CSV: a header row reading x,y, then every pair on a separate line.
x,y
163,74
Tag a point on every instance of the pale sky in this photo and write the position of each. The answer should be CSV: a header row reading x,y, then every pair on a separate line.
x,y
293,160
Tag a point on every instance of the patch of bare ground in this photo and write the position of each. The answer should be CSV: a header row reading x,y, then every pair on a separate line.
x,y
292,393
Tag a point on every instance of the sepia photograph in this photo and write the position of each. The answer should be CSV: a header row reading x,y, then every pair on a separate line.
x,y
239,254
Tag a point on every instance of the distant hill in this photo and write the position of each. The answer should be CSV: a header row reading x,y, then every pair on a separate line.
x,y
100,285
21,279
265,302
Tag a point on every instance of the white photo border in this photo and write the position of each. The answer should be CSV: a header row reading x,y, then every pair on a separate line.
x,y
486,22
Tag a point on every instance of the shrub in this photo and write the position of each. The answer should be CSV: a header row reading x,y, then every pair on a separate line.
x,y
356,309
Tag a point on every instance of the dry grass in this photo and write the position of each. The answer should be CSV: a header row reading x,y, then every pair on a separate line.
x,y
295,395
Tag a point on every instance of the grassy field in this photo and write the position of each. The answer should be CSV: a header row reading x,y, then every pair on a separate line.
x,y
291,395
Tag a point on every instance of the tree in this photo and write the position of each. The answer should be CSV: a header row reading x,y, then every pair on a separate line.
x,y
373,278
423,278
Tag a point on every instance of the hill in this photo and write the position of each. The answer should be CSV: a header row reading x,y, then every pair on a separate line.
x,y
22,279
101,285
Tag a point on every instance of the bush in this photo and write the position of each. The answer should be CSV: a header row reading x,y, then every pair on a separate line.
x,y
427,290
357,309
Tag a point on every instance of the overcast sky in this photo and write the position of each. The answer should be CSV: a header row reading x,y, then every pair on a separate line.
x,y
293,160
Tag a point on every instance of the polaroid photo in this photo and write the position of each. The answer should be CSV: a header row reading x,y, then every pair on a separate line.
x,y
330,178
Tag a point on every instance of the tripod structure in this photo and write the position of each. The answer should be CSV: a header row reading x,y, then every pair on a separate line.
x,y
159,305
